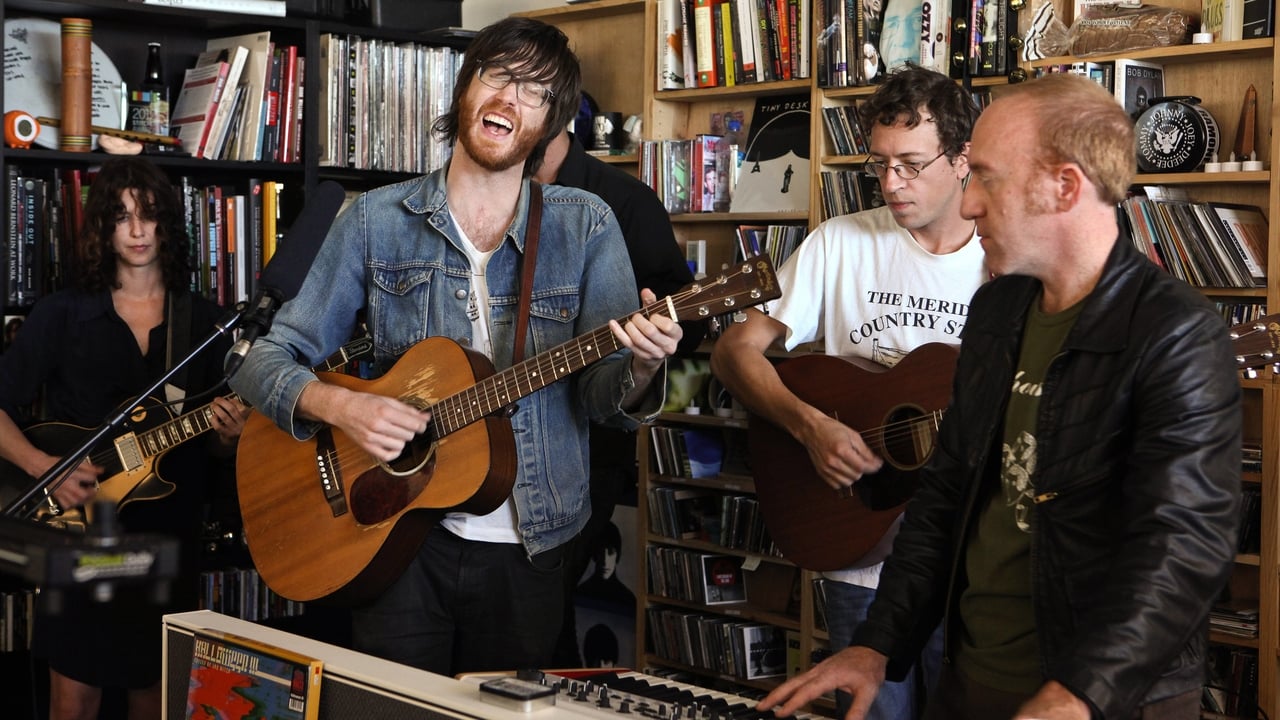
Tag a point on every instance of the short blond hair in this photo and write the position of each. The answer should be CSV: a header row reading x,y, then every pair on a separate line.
x,y
1080,122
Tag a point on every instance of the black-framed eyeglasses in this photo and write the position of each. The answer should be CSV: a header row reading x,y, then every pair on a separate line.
x,y
530,94
907,172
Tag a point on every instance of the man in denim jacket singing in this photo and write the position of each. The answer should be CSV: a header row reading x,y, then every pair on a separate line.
x,y
441,255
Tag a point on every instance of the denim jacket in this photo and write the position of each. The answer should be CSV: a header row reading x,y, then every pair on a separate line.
x,y
395,253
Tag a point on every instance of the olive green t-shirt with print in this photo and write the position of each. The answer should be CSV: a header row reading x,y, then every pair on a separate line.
x,y
998,645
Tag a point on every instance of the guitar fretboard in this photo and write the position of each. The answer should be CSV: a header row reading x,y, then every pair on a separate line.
x,y
177,431
751,282
501,389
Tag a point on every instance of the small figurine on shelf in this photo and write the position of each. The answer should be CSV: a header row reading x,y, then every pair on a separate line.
x,y
1247,128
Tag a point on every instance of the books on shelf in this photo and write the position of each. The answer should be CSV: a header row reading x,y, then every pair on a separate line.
x,y
192,116
232,676
235,58
684,513
1259,19
687,452
704,45
765,650
1224,19
248,7
848,191
845,130
1136,83
1206,244
253,77
709,43
779,241
720,579
1235,617
670,46
1248,228
1231,682
725,645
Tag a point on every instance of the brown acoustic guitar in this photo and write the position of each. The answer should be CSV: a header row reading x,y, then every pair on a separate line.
x,y
1256,343
896,410
325,521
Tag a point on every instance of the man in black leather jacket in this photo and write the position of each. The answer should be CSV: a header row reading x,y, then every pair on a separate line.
x,y
1079,516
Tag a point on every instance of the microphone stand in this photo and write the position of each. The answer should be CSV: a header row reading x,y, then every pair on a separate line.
x,y
223,327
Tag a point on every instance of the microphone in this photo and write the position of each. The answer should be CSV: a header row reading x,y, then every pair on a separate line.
x,y
285,272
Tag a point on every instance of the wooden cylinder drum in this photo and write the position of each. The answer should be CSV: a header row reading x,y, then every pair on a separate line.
x,y
77,85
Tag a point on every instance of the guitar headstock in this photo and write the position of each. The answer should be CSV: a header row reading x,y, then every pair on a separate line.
x,y
1256,343
742,285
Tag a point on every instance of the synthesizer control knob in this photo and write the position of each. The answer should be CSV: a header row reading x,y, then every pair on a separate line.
x,y
624,707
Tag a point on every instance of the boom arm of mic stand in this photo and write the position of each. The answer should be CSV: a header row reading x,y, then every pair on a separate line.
x,y
224,326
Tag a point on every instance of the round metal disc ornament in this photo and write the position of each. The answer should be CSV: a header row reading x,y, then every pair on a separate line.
x,y
1175,134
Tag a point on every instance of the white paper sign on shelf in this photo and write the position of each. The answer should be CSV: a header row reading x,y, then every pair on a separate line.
x,y
33,76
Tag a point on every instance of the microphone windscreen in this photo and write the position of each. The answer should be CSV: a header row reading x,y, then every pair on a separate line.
x,y
288,267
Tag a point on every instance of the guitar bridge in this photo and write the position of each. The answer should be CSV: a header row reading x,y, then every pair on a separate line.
x,y
327,472
129,452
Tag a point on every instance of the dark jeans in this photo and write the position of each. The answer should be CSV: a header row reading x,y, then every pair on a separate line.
x,y
959,698
464,606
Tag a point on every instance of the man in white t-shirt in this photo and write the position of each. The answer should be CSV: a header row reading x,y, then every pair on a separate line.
x,y
875,284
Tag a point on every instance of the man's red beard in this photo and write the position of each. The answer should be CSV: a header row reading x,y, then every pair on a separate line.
x,y
485,154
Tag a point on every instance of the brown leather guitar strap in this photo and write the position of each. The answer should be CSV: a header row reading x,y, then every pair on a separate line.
x,y
526,275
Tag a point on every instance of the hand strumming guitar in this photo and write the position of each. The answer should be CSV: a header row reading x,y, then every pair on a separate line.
x,y
838,453
380,425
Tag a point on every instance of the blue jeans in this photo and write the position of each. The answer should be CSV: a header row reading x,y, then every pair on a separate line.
x,y
847,607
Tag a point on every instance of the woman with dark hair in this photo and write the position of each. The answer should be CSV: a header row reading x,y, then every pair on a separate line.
x,y
84,352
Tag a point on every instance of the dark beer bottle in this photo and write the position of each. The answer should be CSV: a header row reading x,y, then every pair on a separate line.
x,y
154,96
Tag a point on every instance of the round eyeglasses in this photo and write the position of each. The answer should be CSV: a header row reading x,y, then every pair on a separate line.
x,y
906,172
530,94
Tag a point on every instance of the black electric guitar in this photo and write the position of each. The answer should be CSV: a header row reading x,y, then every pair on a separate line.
x,y
129,460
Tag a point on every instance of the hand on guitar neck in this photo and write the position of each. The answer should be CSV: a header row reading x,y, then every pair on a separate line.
x,y
651,339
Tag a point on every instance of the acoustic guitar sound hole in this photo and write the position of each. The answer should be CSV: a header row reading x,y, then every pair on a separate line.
x,y
385,489
908,439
